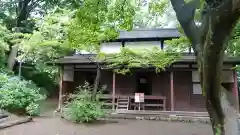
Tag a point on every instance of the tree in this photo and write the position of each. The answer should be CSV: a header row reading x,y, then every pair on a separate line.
x,y
98,20
209,40
47,43
4,36
19,16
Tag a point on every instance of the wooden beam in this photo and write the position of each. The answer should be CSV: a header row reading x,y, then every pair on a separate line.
x,y
162,44
172,91
60,98
113,91
235,89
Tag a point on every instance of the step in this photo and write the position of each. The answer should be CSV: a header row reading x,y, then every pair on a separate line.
x,y
123,106
122,109
123,102
2,120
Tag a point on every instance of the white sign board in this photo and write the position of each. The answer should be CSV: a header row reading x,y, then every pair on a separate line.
x,y
139,97
68,73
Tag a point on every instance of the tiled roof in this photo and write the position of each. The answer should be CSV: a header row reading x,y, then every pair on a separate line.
x,y
149,33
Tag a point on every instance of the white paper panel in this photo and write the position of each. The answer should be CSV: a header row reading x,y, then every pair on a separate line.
x,y
195,76
68,73
111,47
197,89
143,44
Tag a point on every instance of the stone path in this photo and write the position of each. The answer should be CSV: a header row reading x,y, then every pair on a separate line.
x,y
57,126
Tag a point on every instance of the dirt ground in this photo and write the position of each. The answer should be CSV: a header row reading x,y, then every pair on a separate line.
x,y
58,126
49,124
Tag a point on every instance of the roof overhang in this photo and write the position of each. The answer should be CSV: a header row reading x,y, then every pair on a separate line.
x,y
91,59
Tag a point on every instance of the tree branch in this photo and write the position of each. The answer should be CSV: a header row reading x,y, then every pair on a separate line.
x,y
22,14
185,13
223,20
33,5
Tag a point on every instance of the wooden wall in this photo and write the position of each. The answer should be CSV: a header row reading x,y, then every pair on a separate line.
x,y
184,98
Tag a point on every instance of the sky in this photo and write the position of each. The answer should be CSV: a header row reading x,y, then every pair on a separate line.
x,y
167,20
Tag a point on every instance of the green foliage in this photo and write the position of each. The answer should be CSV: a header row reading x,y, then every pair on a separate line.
x,y
33,109
81,108
143,58
179,45
42,79
4,35
28,10
99,20
234,43
47,44
19,96
218,129
158,7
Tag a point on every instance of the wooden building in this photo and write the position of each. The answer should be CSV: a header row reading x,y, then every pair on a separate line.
x,y
176,89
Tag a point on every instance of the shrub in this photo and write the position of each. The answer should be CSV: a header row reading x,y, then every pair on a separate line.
x,y
19,96
33,109
81,108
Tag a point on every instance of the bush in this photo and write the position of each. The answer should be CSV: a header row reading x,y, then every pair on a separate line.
x,y
47,85
19,96
81,108
33,109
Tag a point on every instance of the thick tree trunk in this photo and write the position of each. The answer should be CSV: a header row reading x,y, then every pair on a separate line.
x,y
221,105
209,43
96,83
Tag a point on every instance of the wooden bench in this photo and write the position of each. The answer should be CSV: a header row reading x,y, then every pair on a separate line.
x,y
156,98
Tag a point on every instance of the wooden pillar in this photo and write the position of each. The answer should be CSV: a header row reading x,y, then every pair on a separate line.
x,y
172,91
60,97
113,91
235,88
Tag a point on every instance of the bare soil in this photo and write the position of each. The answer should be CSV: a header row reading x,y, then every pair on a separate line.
x,y
51,124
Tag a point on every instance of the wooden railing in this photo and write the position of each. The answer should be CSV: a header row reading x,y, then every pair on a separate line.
x,y
161,101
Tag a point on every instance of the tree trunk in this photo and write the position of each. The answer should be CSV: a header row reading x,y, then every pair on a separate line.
x,y
209,43
12,57
22,15
96,83
221,105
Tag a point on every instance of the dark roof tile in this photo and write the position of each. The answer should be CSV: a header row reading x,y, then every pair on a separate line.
x,y
149,33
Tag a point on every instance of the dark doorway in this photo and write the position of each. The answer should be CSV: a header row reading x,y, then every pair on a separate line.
x,y
90,78
144,84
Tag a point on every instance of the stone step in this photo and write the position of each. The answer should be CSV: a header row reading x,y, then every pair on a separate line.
x,y
2,120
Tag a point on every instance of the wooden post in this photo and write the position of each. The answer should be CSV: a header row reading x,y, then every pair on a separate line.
x,y
235,89
113,91
172,91
60,97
